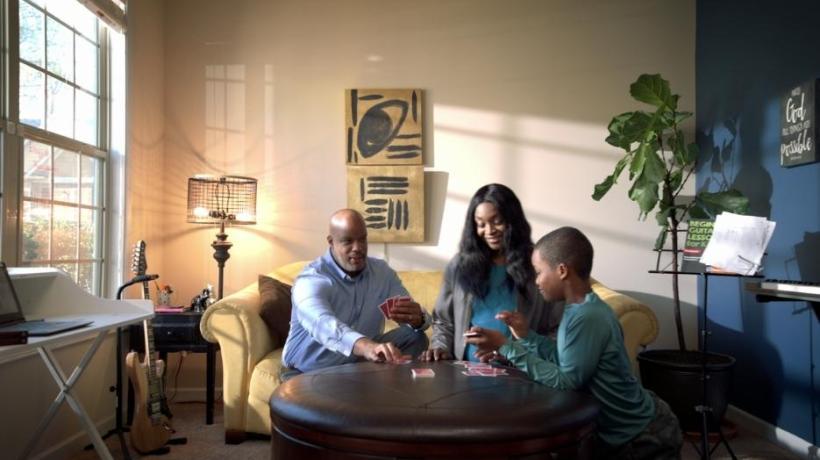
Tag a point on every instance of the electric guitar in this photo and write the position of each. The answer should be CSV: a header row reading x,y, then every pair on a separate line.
x,y
150,429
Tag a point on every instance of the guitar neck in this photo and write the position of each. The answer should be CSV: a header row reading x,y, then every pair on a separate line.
x,y
148,331
146,294
155,393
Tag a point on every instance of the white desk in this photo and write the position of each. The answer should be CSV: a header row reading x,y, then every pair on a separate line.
x,y
50,294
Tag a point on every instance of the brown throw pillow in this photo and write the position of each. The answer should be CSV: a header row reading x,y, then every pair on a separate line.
x,y
275,306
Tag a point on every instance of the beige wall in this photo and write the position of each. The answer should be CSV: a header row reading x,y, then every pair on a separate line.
x,y
145,172
518,92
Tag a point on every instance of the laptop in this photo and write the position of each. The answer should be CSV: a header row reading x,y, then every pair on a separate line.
x,y
11,315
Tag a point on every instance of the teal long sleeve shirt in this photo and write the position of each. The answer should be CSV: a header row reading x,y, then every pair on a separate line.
x,y
588,355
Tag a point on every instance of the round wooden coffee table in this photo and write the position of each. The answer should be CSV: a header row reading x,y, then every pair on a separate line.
x,y
381,411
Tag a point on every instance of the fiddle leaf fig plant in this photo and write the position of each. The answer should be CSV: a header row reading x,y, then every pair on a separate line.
x,y
659,163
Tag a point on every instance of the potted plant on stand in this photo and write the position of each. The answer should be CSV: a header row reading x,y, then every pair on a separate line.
x,y
660,162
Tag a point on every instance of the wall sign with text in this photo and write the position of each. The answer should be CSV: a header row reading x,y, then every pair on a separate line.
x,y
798,125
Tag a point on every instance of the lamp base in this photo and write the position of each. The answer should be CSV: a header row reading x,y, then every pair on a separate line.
x,y
221,246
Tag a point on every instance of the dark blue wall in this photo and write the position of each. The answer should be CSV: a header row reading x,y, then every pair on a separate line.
x,y
748,54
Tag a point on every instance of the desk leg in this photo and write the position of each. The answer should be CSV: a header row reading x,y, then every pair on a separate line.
x,y
65,385
209,389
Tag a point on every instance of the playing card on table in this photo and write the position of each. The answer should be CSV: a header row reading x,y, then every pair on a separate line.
x,y
423,373
472,365
484,372
405,359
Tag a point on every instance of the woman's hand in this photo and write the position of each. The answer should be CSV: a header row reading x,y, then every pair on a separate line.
x,y
488,342
435,354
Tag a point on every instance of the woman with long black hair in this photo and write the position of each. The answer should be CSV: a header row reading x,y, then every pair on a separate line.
x,y
491,273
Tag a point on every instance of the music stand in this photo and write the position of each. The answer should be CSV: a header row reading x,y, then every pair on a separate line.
x,y
704,408
119,429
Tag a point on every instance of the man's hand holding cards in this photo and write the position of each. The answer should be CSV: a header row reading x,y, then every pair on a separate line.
x,y
402,309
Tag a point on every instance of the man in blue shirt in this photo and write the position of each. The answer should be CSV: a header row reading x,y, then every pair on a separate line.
x,y
336,317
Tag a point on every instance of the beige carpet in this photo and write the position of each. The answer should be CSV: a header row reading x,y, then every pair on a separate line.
x,y
205,442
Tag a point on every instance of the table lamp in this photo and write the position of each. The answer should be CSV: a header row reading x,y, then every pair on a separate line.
x,y
220,200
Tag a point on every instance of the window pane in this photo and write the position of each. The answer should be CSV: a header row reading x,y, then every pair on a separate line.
x,y
32,34
91,181
86,23
36,170
87,68
64,237
32,96
60,115
89,236
36,219
86,119
65,10
89,277
66,176
70,268
60,49
40,3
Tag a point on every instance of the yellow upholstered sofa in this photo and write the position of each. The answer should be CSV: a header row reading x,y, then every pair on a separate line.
x,y
250,364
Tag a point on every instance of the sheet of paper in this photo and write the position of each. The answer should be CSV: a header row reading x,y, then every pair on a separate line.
x,y
738,243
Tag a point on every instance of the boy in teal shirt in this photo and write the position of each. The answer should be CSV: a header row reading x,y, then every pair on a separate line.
x,y
587,355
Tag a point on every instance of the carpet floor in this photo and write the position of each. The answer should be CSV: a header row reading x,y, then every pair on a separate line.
x,y
206,442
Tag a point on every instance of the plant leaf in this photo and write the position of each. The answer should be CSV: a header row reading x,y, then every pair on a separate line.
x,y
681,116
602,188
696,212
692,152
653,169
713,203
616,131
661,239
675,179
653,90
662,217
645,193
638,162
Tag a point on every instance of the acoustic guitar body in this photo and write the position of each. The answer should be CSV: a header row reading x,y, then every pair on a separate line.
x,y
147,433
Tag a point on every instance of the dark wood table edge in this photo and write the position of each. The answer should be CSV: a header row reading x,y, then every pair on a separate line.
x,y
284,430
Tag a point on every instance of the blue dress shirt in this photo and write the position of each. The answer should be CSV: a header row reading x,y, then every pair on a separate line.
x,y
332,310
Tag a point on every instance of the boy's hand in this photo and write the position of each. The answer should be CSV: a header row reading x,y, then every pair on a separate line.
x,y
435,354
488,342
516,322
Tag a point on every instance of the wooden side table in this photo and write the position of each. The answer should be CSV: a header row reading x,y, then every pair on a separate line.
x,y
176,332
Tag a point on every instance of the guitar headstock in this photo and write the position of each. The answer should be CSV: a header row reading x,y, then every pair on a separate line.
x,y
138,263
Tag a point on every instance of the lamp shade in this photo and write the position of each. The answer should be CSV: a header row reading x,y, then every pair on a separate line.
x,y
214,200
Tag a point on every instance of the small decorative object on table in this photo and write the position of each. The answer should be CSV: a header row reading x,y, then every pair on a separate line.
x,y
164,294
203,300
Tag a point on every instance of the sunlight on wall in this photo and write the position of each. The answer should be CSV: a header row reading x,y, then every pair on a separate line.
x,y
225,117
545,161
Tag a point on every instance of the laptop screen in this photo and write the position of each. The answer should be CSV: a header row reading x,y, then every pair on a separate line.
x,y
9,305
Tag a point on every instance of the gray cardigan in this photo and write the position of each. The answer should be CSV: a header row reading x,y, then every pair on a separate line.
x,y
454,309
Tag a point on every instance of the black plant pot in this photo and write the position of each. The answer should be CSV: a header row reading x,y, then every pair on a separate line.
x,y
675,376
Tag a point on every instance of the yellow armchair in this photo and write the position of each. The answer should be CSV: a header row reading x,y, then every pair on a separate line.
x,y
250,364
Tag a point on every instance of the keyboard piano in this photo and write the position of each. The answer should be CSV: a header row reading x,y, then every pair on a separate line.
x,y
772,289
791,286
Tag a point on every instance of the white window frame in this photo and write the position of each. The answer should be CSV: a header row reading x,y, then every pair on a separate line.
x,y
13,134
